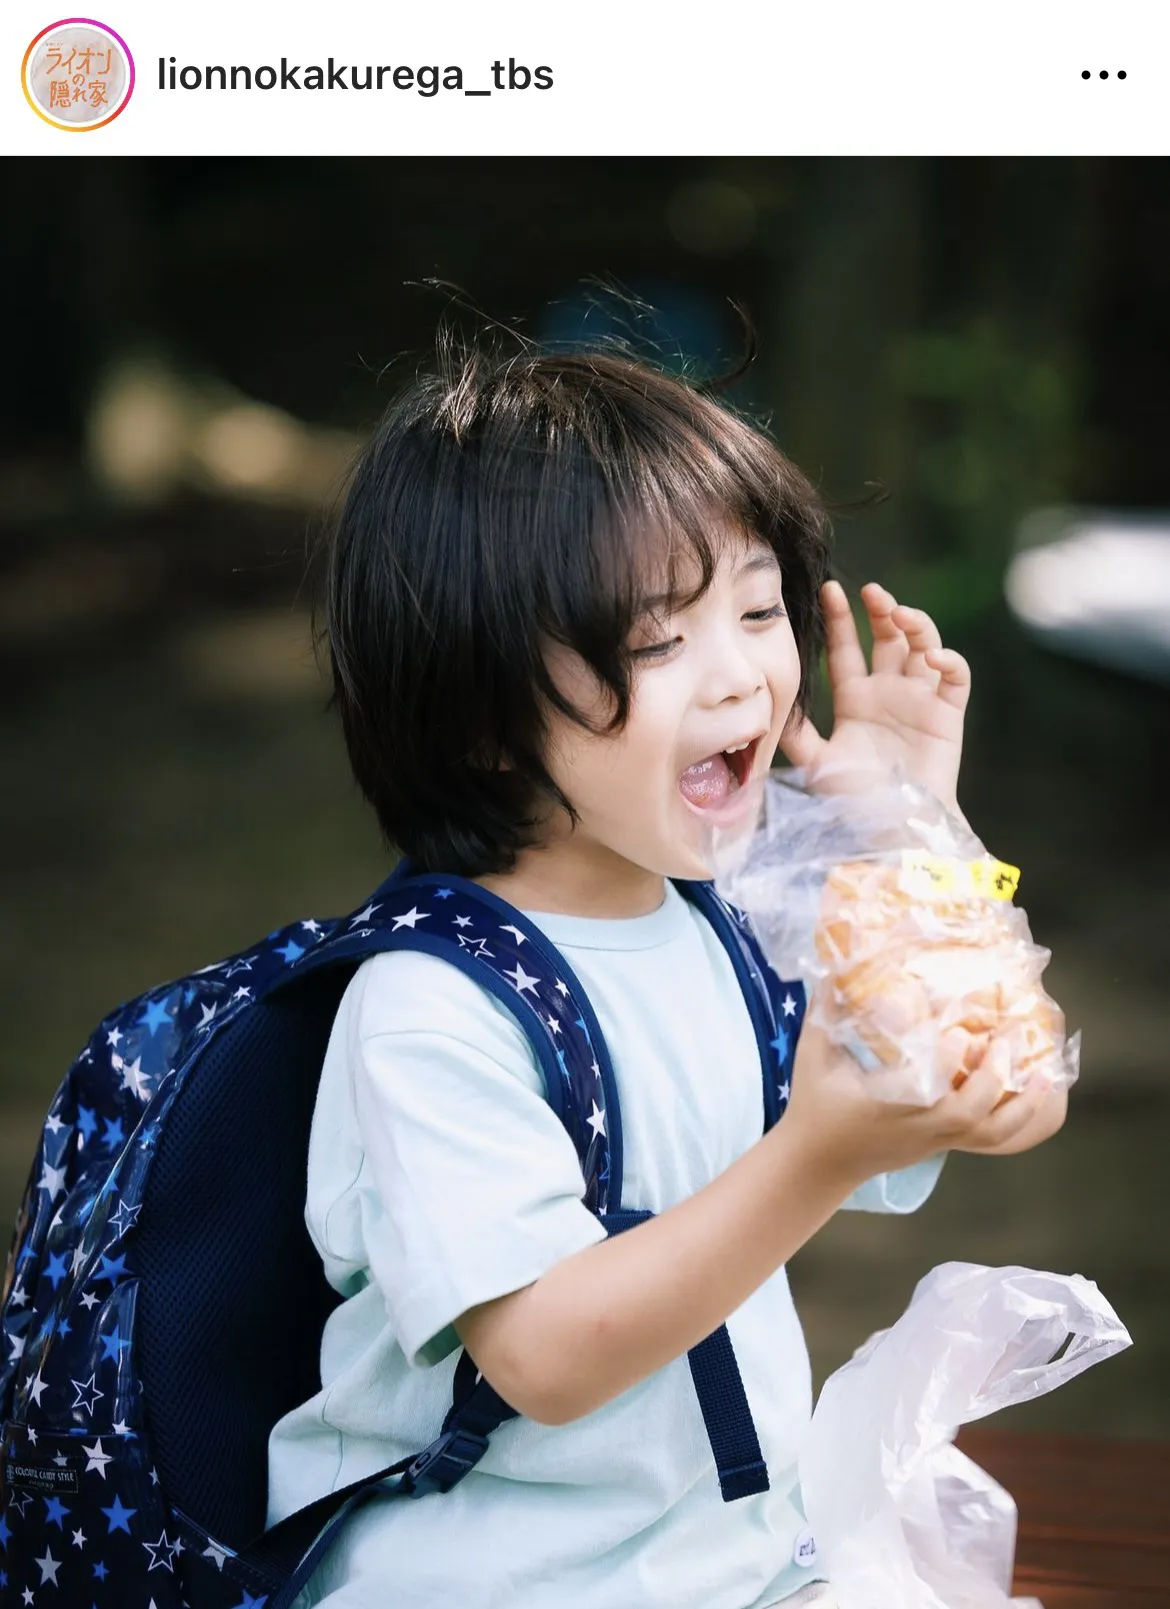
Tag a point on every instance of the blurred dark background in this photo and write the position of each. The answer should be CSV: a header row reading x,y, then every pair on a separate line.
x,y
193,352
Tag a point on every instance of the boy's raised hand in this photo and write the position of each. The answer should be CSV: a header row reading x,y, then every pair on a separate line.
x,y
907,710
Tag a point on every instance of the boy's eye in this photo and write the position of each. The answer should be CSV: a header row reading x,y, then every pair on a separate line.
x,y
658,650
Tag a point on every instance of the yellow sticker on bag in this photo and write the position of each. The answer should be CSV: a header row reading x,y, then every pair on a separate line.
x,y
927,876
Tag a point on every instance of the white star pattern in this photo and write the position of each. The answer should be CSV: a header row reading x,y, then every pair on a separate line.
x,y
208,1014
79,1539
520,979
114,1037
216,1554
363,916
125,1217
88,1395
135,1079
53,1123
562,986
37,1388
789,1006
52,1180
478,947
155,1549
26,1596
554,1026
410,919
16,1342
596,1119
784,1091
506,927
19,1296
48,1567
97,1458
311,927
463,921
90,1297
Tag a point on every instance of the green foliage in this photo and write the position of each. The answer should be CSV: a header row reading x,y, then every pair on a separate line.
x,y
994,425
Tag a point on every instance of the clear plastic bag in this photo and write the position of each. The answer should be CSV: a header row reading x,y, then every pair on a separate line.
x,y
903,1519
901,925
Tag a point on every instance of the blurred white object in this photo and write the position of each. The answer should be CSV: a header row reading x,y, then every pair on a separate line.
x,y
902,1519
1096,586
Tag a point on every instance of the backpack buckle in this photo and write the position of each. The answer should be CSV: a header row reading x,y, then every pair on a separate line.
x,y
439,1466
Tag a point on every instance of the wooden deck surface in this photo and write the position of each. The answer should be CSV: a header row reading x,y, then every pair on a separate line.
x,y
1094,1517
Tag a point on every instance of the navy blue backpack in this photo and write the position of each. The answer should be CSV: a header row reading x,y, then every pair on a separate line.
x,y
163,1303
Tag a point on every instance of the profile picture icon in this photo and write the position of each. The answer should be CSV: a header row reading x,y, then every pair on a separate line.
x,y
78,74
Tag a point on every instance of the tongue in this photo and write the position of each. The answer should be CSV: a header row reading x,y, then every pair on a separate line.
x,y
709,782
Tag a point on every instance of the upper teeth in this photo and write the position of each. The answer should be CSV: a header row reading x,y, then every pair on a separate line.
x,y
738,746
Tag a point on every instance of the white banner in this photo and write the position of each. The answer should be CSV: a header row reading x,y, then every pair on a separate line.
x,y
598,77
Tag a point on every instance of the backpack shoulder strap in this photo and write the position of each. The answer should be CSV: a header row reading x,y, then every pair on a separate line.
x,y
503,952
776,1005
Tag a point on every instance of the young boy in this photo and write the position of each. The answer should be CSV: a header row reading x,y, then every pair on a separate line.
x,y
562,589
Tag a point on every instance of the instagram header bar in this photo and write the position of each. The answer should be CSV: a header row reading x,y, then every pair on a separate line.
x,y
826,77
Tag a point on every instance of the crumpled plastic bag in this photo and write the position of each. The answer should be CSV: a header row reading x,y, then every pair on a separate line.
x,y
903,1519
902,927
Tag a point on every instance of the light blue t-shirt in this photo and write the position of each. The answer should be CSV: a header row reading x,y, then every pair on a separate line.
x,y
438,1178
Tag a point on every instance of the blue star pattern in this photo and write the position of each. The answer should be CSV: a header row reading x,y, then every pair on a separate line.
x,y
77,1469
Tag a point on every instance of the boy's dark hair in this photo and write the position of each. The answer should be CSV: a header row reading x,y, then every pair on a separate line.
x,y
510,501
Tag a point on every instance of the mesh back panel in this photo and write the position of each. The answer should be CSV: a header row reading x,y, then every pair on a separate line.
x,y
233,1298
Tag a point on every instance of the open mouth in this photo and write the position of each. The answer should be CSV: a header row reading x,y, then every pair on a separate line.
x,y
740,761
710,783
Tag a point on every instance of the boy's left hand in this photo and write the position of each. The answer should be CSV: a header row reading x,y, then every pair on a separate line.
x,y
907,710
1020,1122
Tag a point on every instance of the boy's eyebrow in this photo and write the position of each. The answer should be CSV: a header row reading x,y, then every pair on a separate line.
x,y
755,561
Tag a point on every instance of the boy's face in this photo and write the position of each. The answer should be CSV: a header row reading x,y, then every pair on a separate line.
x,y
714,675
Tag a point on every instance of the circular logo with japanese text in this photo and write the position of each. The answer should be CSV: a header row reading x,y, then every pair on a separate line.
x,y
78,74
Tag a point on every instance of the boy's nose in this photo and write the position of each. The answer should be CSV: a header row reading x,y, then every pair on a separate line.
x,y
733,674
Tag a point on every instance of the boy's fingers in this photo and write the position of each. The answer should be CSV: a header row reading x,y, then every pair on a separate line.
x,y
954,673
921,633
979,1094
844,653
890,646
1009,1120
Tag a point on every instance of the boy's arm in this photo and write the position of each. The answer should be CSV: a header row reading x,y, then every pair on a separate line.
x,y
609,1316
604,1318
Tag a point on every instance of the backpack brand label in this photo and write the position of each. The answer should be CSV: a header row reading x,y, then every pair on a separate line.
x,y
40,1477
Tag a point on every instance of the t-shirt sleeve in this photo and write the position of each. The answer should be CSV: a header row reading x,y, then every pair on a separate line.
x,y
470,1186
903,1191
